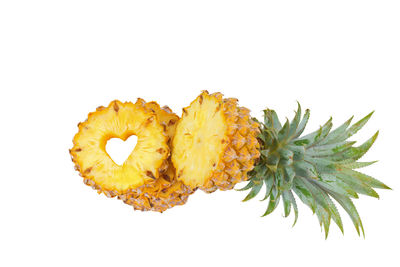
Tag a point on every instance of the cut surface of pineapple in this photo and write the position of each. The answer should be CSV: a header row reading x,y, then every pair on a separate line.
x,y
215,143
201,144
119,120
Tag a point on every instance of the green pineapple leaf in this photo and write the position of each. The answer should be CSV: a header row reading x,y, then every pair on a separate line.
x,y
318,168
254,190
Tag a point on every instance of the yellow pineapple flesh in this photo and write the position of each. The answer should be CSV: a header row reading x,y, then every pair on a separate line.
x,y
215,143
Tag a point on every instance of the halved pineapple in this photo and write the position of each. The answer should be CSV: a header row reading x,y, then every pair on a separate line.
x,y
166,191
215,143
121,120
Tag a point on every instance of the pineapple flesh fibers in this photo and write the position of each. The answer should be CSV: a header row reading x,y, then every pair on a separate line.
x,y
215,144
120,120
166,191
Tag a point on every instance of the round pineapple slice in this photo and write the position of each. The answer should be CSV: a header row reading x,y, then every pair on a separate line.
x,y
215,143
121,120
166,191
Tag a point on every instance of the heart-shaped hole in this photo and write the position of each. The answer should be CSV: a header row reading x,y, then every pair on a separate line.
x,y
119,150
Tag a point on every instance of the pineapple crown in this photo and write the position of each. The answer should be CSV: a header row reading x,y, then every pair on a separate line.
x,y
318,168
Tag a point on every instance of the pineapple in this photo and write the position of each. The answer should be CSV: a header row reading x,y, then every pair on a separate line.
x,y
145,164
217,144
166,191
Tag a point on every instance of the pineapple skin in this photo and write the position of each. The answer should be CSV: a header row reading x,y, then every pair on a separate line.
x,y
166,191
143,166
231,149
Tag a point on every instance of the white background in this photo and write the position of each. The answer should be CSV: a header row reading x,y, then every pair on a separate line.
x,y
59,60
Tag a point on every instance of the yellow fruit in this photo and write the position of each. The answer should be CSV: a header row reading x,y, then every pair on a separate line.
x,y
166,191
121,120
215,143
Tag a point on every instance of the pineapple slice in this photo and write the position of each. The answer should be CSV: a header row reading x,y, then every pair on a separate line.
x,y
166,192
144,164
215,144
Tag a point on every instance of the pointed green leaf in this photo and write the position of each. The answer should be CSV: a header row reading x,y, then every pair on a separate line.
x,y
336,134
319,135
357,126
349,207
328,204
310,138
271,119
324,219
286,202
284,132
254,191
366,179
269,183
249,185
295,122
325,129
355,153
322,208
273,201
331,183
302,124
315,192
275,120
355,165
304,194
279,179
334,213
294,204
329,149
270,136
267,118
357,185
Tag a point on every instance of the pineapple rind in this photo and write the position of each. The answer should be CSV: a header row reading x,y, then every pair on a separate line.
x,y
119,120
215,144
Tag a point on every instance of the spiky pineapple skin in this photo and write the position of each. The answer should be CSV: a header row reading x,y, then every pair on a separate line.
x,y
158,196
239,147
119,120
166,191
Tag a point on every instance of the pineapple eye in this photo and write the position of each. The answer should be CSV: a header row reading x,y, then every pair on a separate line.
x,y
119,150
